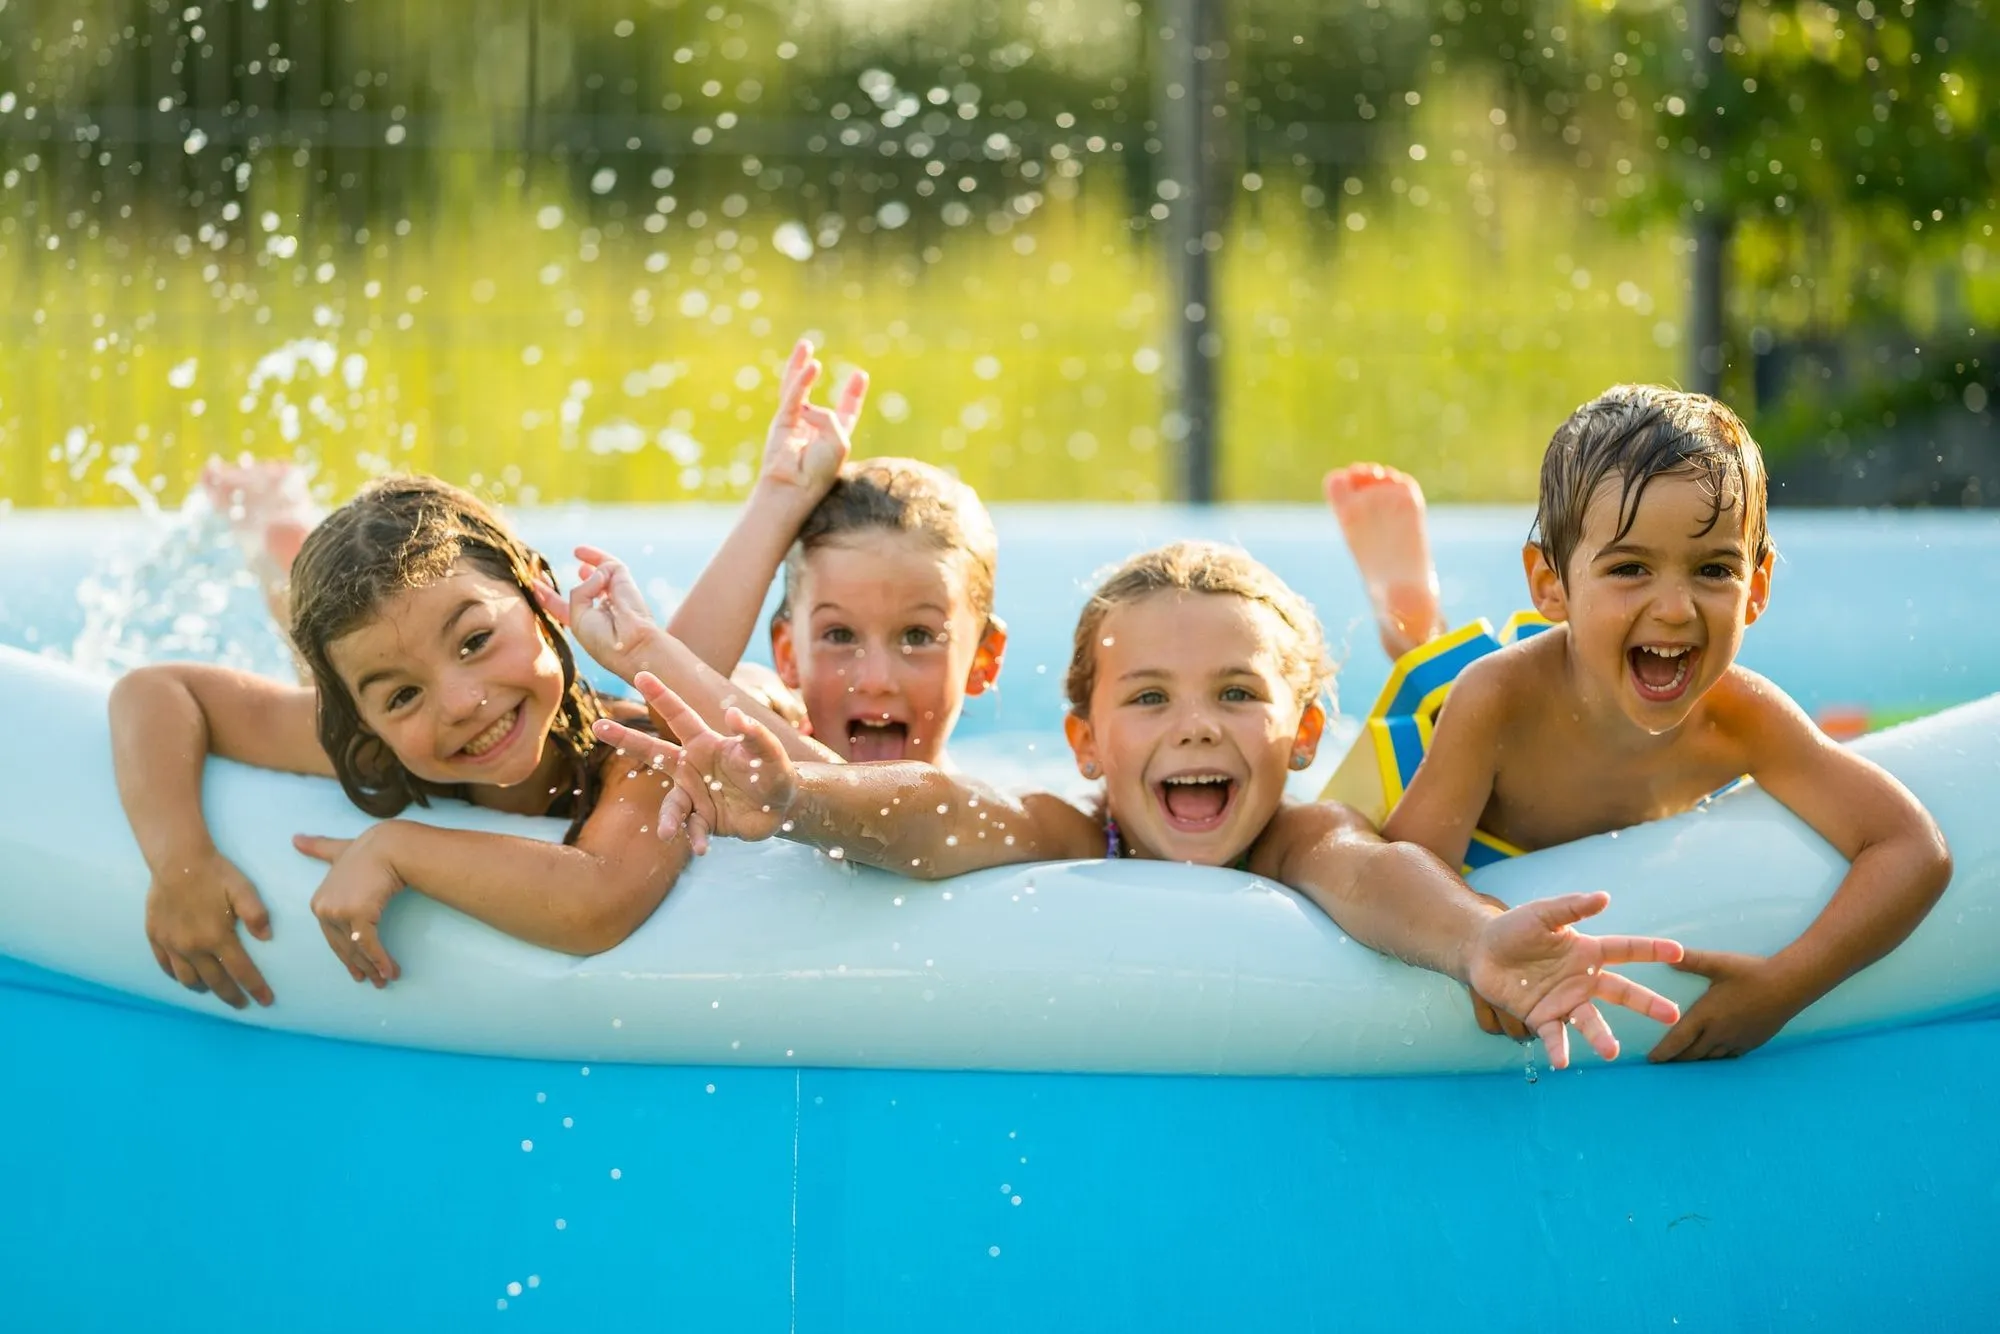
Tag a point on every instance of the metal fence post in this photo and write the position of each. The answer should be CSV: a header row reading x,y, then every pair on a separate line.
x,y
1186,188
1708,336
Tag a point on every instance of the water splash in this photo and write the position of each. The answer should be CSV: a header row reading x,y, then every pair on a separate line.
x,y
185,594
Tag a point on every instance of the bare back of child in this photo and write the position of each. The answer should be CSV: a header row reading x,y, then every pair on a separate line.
x,y
1652,557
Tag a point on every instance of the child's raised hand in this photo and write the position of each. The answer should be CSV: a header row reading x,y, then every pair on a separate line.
x,y
605,609
740,786
1748,1000
808,443
191,917
1528,961
350,901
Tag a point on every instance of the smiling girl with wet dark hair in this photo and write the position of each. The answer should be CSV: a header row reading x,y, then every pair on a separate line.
x,y
437,671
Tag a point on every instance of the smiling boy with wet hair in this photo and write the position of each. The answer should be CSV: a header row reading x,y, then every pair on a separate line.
x,y
1637,433
1652,554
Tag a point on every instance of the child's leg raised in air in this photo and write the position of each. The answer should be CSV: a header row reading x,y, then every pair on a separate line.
x,y
1381,513
269,512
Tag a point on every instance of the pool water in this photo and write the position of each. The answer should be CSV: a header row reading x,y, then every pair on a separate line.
x,y
1890,613
179,1171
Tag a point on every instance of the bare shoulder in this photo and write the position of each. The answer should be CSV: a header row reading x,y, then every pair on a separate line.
x,y
1300,825
1748,709
1057,829
1494,687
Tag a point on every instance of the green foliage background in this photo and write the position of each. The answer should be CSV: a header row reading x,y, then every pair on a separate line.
x,y
560,249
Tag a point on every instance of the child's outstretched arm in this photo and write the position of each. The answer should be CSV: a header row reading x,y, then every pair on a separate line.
x,y
579,898
165,721
1400,900
802,457
914,819
608,615
1899,865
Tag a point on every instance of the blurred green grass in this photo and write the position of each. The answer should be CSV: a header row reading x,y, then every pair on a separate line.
x,y
512,348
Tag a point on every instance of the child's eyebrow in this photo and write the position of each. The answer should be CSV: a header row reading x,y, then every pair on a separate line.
x,y
1162,673
939,608
379,674
452,620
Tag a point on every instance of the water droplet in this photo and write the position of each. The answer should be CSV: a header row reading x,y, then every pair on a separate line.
x,y
993,1250
527,1146
617,1174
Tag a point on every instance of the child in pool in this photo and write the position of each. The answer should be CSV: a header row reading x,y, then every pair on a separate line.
x,y
1652,553
434,674
886,624
1194,687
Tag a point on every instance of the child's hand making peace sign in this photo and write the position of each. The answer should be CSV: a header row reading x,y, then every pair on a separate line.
x,y
741,786
808,443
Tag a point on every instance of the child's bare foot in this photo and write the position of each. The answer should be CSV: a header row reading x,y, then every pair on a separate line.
x,y
268,508
1381,513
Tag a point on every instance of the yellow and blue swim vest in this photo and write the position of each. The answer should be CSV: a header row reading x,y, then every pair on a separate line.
x,y
1396,734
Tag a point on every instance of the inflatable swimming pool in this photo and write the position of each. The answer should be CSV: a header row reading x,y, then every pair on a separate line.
x,y
809,1097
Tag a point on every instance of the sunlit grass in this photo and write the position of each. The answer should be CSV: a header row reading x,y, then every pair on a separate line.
x,y
512,349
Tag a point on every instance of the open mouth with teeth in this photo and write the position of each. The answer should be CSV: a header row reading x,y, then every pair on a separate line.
x,y
1195,803
1661,672
491,741
872,739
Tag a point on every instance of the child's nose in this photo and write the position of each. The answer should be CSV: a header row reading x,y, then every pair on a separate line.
x,y
873,669
1197,727
463,699
1676,603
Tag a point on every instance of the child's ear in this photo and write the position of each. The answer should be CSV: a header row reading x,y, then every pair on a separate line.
x,y
1545,585
784,658
1760,589
986,662
1312,726
1083,743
